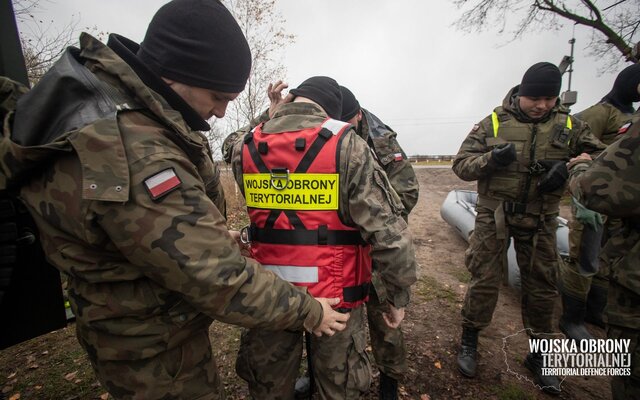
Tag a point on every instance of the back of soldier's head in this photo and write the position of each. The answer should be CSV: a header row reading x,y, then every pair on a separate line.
x,y
197,43
627,84
323,91
350,106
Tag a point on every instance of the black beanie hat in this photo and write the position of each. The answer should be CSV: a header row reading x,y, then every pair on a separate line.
x,y
541,80
197,43
625,89
350,105
323,90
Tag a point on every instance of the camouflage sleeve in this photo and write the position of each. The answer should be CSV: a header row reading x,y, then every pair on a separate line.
x,y
234,137
10,92
597,119
212,185
399,171
375,208
611,183
180,241
473,160
584,141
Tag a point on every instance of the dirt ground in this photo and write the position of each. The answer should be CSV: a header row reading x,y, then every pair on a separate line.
x,y
55,367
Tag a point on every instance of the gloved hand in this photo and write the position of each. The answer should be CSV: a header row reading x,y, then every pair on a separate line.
x,y
586,216
504,154
555,177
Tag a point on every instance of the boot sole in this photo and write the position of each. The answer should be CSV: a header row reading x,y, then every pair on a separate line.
x,y
466,374
547,389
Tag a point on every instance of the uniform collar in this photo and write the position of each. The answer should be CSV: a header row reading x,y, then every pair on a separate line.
x,y
294,117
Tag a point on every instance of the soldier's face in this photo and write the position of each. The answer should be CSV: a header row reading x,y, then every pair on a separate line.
x,y
537,107
206,102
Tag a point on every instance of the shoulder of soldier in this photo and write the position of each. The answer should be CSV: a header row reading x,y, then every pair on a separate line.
x,y
143,136
353,147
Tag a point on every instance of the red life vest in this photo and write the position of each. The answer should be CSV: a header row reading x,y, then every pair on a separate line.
x,y
291,186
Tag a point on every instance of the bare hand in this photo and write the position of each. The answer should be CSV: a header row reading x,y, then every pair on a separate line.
x,y
393,317
332,321
581,157
274,91
244,247
584,157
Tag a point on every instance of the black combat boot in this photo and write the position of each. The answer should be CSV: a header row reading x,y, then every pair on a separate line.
x,y
549,384
572,319
468,352
596,302
388,387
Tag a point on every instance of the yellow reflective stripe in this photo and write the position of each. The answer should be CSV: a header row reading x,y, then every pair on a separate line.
x,y
569,126
298,192
496,123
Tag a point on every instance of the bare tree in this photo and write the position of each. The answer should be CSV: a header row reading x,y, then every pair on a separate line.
x,y
614,24
263,27
41,44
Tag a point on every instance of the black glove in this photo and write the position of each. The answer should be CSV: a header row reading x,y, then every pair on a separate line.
x,y
555,177
504,154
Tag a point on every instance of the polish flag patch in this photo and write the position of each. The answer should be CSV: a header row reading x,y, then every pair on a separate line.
x,y
398,157
162,183
624,128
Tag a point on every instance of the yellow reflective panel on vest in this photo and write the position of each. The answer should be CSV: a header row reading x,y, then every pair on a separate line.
x,y
297,192
495,122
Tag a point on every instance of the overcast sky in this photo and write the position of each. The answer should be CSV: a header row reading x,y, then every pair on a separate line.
x,y
403,59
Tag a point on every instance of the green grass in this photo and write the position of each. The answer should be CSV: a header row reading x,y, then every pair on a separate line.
x,y
461,275
430,289
510,391
433,162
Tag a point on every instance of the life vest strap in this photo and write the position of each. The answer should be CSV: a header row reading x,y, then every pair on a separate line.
x,y
355,293
305,237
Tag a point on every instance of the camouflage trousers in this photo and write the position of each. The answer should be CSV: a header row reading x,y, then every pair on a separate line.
x,y
486,257
387,344
269,361
187,371
623,302
627,387
623,305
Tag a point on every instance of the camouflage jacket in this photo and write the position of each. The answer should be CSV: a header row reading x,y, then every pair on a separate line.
x,y
392,158
516,182
611,185
366,199
145,272
604,120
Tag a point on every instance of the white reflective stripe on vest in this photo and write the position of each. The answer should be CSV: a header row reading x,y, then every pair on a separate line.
x,y
294,273
334,125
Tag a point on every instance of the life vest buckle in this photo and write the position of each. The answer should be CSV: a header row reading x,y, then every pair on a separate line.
x,y
279,178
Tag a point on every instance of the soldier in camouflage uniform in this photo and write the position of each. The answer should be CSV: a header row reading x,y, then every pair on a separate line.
x,y
584,276
269,360
610,185
518,155
387,344
127,200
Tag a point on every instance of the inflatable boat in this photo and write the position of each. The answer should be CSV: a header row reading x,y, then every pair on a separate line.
x,y
459,211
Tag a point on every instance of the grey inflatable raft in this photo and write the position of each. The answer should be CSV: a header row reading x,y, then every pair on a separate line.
x,y
459,211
